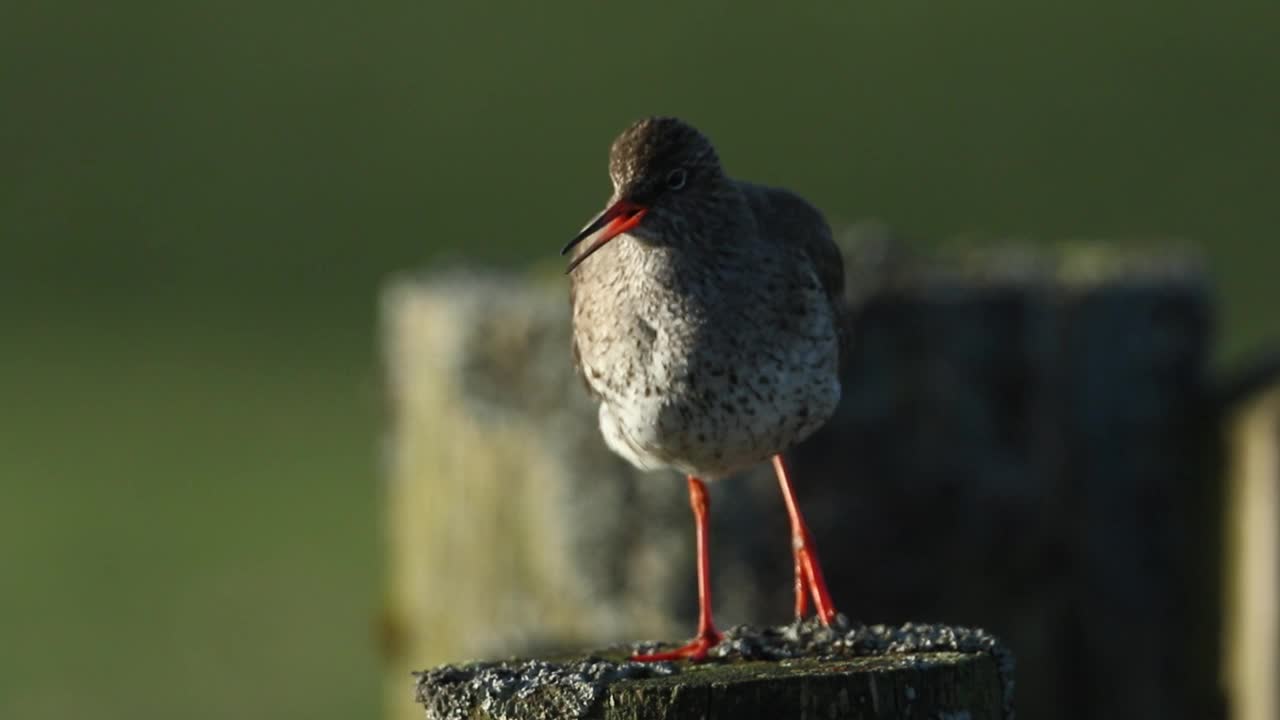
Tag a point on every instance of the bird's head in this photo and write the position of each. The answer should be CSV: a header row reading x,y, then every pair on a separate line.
x,y
663,171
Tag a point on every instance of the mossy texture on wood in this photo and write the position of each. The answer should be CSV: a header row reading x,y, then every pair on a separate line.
x,y
794,671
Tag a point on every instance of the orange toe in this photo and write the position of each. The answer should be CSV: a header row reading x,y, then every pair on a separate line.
x,y
696,650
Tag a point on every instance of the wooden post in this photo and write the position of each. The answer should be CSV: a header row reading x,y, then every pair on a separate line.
x,y
1253,589
915,671
1024,444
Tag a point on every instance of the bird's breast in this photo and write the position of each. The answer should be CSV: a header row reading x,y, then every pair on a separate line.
x,y
703,381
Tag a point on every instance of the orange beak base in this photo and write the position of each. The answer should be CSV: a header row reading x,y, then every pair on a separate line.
x,y
615,220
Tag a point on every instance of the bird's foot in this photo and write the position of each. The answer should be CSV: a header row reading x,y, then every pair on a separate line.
x,y
695,651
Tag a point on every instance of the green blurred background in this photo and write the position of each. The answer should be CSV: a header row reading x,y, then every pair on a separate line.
x,y
199,200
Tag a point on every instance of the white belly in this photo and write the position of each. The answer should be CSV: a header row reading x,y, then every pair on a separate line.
x,y
704,387
654,433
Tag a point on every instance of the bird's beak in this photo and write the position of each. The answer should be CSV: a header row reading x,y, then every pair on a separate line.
x,y
615,220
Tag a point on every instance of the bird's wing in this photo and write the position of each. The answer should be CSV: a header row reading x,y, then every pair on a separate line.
x,y
788,219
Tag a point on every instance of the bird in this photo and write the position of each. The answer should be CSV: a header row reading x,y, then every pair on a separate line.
x,y
707,322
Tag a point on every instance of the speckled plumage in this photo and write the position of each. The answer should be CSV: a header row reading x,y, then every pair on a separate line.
x,y
710,332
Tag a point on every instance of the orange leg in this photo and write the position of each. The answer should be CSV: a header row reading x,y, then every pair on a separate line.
x,y
808,570
707,636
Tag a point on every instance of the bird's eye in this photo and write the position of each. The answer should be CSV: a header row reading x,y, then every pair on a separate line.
x,y
677,178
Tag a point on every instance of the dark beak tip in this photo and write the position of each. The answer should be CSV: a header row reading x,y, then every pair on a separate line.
x,y
613,211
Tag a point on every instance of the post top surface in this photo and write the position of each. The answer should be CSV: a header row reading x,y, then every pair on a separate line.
x,y
574,687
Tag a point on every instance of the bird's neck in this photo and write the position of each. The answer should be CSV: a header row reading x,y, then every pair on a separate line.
x,y
701,244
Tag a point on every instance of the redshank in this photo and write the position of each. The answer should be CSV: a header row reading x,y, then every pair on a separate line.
x,y
706,322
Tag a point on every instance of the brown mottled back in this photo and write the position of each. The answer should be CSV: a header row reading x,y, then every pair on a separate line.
x,y
786,218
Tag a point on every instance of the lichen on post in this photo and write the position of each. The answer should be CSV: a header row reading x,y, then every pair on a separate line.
x,y
794,671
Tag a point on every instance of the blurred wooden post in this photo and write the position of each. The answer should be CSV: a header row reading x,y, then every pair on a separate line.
x,y
1024,444
1253,663
1142,503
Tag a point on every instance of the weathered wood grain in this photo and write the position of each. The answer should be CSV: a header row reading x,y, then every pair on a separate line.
x,y
907,672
